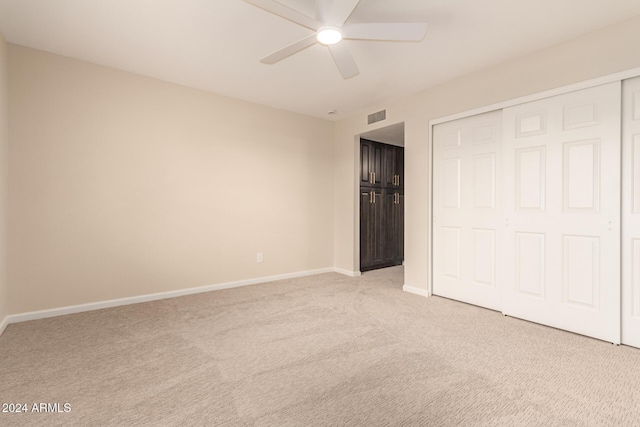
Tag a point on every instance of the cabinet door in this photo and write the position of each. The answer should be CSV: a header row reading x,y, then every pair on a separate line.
x,y
390,166
400,167
366,165
391,215
377,161
371,163
394,209
366,228
393,166
399,230
372,229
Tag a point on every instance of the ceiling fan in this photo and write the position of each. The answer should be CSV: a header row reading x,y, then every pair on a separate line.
x,y
330,28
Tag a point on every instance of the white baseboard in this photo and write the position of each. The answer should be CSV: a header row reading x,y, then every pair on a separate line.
x,y
3,324
42,314
417,291
347,272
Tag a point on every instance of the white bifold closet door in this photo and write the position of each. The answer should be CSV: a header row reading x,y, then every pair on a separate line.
x,y
561,240
467,210
631,212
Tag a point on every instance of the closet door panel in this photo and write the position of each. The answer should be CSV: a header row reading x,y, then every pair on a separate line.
x,y
631,212
467,210
561,253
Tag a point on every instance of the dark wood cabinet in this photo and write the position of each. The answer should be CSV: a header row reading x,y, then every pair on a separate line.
x,y
381,205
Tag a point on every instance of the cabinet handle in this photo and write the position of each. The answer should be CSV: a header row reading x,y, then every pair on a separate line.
x,y
398,180
373,193
370,201
374,179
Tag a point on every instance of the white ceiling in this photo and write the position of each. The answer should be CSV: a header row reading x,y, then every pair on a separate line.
x,y
216,45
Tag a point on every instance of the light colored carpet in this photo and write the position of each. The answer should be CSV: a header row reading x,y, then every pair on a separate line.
x,y
322,350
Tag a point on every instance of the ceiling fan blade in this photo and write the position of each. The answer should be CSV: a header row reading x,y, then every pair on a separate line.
x,y
340,11
322,9
289,50
406,32
344,60
286,13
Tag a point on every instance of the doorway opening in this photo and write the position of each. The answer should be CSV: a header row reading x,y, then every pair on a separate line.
x,y
381,198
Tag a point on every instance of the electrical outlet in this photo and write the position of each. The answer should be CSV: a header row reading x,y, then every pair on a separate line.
x,y
260,257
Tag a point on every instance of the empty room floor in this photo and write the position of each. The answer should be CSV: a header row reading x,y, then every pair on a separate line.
x,y
318,350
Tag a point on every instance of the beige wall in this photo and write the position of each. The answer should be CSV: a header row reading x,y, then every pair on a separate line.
x,y
4,141
607,51
122,185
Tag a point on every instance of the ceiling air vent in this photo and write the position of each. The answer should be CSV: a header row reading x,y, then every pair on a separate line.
x,y
377,117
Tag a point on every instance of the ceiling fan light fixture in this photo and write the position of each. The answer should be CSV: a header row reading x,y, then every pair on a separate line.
x,y
329,35
331,26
